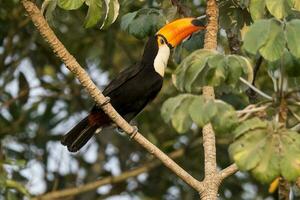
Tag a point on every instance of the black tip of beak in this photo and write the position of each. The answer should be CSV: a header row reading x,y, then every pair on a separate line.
x,y
199,22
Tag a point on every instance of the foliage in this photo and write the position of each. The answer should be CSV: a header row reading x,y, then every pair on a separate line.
x,y
142,23
94,13
266,150
40,100
268,38
185,109
205,67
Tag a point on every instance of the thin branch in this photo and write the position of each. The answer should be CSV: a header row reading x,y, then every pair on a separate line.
x,y
261,93
228,171
252,110
107,180
71,63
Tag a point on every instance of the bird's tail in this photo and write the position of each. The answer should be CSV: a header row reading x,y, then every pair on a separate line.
x,y
79,135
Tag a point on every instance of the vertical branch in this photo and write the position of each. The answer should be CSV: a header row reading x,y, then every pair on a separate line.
x,y
212,178
212,12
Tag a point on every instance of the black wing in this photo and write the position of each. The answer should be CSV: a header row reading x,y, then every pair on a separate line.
x,y
121,78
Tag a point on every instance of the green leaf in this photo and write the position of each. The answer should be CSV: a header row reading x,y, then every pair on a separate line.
x,y
143,23
289,62
202,112
225,119
249,125
257,35
127,19
112,12
292,35
290,162
181,120
267,150
275,44
170,105
189,70
23,88
175,110
257,9
70,4
278,8
235,69
268,168
216,72
247,151
94,13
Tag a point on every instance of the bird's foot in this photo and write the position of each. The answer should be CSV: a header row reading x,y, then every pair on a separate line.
x,y
134,132
105,102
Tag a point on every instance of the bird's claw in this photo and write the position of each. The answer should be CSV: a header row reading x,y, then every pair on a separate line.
x,y
105,102
134,132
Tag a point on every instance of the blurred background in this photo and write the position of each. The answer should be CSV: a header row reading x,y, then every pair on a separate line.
x,y
40,100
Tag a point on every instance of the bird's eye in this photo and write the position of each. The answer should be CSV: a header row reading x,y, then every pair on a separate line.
x,y
162,41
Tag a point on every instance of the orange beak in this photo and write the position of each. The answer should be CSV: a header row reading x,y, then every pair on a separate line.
x,y
180,29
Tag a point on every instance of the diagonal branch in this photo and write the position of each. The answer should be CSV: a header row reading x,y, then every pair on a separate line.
x,y
107,180
71,63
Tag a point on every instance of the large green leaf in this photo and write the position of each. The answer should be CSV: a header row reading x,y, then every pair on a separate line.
x,y
236,67
266,150
278,8
275,44
175,110
201,112
206,67
292,35
70,4
247,151
267,37
171,104
268,168
190,68
257,9
94,13
257,35
225,119
216,73
181,120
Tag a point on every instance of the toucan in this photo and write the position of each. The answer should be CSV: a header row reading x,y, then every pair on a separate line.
x,y
136,86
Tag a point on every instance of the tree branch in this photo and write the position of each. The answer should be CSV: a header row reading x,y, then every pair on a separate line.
x,y
261,93
228,171
107,180
212,178
71,63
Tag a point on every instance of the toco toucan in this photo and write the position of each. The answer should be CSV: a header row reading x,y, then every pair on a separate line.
x,y
136,86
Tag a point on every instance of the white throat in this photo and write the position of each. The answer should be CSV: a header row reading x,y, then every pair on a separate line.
x,y
161,60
